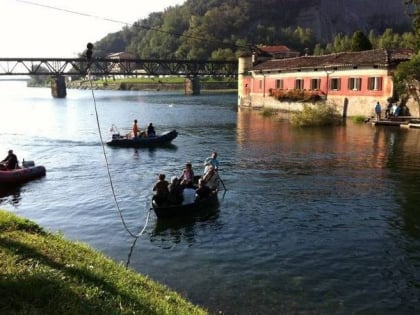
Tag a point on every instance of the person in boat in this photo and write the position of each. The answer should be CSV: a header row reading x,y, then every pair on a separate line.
x,y
212,179
175,191
211,160
151,130
187,176
161,190
188,194
10,162
203,191
135,129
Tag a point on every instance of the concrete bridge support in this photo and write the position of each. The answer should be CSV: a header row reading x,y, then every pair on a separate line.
x,y
192,86
58,87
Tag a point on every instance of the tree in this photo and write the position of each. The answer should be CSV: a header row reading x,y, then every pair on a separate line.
x,y
406,79
359,42
414,7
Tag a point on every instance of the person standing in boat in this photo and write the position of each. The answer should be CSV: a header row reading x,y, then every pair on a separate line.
x,y
10,162
211,160
135,129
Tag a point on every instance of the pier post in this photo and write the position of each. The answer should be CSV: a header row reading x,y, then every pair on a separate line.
x,y
192,86
58,87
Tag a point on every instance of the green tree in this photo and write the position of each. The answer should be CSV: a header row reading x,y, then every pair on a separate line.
x,y
359,42
406,79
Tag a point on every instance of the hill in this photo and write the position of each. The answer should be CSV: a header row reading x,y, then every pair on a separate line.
x,y
202,29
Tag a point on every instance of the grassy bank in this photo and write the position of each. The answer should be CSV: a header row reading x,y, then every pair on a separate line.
x,y
42,273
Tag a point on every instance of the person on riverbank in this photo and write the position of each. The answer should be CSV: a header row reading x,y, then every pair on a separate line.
x,y
10,162
378,111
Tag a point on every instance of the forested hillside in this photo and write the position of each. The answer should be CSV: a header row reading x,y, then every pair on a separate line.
x,y
219,29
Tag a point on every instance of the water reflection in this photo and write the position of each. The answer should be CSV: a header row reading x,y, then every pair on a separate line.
x,y
10,195
168,232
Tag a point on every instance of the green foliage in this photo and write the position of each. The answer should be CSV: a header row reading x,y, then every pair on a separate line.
x,y
358,119
321,114
295,95
359,42
42,273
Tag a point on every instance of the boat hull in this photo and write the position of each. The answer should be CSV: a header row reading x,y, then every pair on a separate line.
x,y
174,211
159,140
21,175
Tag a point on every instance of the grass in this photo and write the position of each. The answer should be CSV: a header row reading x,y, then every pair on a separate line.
x,y
42,273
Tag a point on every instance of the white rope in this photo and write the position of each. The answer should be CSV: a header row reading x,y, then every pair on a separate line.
x,y
109,172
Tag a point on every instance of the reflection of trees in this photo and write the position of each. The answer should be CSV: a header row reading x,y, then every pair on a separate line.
x,y
10,195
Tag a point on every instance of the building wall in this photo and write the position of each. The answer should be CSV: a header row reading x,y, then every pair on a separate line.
x,y
255,89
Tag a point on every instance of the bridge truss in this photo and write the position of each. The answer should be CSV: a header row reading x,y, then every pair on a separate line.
x,y
110,67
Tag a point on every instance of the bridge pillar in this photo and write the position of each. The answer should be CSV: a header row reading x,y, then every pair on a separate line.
x,y
192,86
58,87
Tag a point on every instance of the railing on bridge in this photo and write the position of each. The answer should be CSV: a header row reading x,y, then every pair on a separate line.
x,y
109,67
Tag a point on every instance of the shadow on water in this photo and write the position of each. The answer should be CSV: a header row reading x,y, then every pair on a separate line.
x,y
10,195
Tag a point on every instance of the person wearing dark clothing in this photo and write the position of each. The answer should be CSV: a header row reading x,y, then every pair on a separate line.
x,y
175,191
10,162
161,190
151,130
203,191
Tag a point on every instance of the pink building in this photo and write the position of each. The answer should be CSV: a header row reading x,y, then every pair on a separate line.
x,y
353,81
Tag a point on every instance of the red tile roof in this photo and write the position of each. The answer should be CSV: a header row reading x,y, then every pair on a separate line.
x,y
376,57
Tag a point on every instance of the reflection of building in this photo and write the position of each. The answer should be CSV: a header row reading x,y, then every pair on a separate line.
x,y
354,81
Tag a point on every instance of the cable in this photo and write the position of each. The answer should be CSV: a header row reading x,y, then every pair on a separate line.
x,y
109,172
136,24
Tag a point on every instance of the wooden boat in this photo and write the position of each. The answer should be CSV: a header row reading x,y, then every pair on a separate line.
x,y
21,175
148,141
172,211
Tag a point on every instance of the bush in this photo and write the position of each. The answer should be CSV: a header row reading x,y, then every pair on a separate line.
x,y
318,115
358,119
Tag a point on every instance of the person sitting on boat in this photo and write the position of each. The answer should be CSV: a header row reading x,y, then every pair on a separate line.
x,y
211,160
10,162
161,190
211,178
151,130
187,176
175,191
135,129
203,191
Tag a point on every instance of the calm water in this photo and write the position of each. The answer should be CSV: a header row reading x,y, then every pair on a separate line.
x,y
322,221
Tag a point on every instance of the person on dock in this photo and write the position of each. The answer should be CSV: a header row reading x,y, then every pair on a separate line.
x,y
378,111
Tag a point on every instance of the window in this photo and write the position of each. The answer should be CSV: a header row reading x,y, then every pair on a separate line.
x,y
335,84
279,84
355,84
315,84
299,84
375,84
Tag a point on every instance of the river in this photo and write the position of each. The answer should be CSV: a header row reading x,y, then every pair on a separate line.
x,y
313,221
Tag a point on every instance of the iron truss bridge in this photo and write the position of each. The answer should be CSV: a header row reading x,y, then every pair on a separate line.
x,y
110,67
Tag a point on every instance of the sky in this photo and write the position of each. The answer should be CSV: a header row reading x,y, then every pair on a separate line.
x,y
62,28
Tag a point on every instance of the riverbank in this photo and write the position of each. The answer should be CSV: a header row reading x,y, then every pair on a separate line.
x,y
42,273
154,84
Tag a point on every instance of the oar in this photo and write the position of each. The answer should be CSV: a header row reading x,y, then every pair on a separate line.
x,y
221,181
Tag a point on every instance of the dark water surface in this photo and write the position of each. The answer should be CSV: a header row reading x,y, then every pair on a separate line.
x,y
314,221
